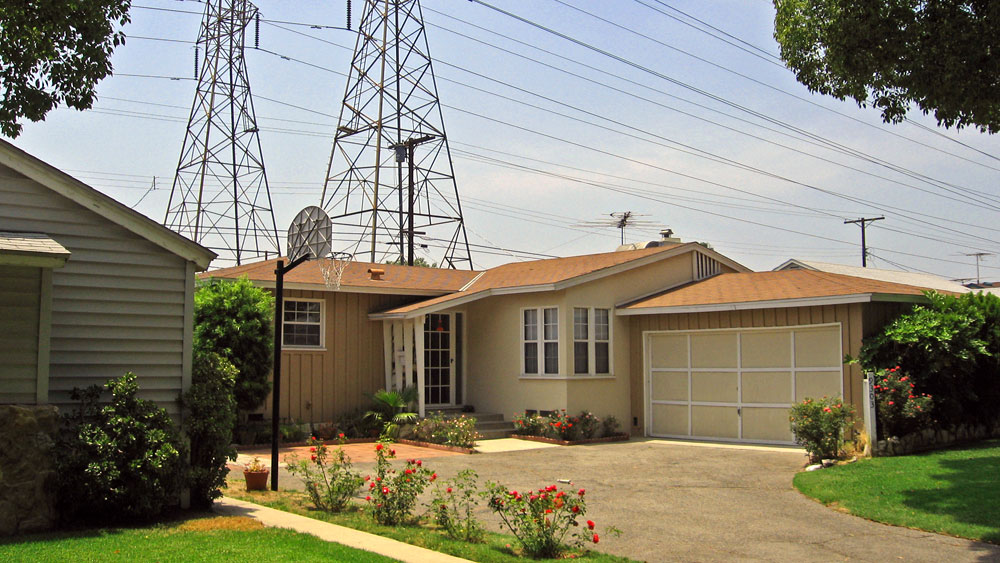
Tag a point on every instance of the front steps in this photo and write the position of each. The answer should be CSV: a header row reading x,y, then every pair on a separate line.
x,y
488,425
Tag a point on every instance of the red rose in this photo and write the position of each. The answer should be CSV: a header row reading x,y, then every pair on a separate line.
x,y
576,508
312,449
378,447
368,497
434,476
392,452
590,524
596,538
892,402
580,492
385,490
314,458
449,489
341,435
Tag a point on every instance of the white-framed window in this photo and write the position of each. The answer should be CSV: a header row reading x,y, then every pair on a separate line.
x,y
591,341
302,326
540,341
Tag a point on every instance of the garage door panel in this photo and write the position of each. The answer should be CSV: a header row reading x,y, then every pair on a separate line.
x,y
669,386
669,420
816,384
713,350
766,424
668,351
715,422
767,387
714,387
817,348
766,349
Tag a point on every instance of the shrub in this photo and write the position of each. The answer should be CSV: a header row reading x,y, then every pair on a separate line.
x,y
330,484
234,318
529,424
390,409
950,349
211,416
121,461
292,431
391,494
457,431
900,407
543,522
818,425
610,426
589,425
562,426
453,505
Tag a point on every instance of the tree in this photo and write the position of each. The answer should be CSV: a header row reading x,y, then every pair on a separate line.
x,y
233,318
419,262
209,424
940,55
54,52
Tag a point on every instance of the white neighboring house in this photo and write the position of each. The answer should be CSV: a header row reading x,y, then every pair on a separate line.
x,y
89,289
894,276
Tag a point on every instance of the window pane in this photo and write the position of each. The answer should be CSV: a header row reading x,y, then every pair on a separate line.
x,y
551,324
551,357
531,324
580,357
530,357
601,358
579,324
601,317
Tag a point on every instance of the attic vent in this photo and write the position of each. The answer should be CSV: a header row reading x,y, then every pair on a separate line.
x,y
706,266
376,273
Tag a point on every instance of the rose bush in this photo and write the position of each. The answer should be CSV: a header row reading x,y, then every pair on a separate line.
x,y
393,494
545,522
329,483
819,425
453,505
901,409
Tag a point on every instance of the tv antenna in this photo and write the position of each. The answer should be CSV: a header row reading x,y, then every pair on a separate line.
x,y
390,175
979,258
622,220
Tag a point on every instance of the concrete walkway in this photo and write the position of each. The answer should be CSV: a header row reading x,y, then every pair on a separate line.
x,y
332,532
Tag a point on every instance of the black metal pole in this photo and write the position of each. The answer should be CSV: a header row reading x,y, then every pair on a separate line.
x,y
279,307
409,250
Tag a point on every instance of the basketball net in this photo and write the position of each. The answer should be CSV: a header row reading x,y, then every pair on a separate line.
x,y
333,268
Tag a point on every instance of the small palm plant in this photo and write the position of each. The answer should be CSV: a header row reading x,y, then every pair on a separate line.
x,y
391,409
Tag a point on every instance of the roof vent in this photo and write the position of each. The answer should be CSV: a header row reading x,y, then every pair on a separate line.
x,y
667,235
376,273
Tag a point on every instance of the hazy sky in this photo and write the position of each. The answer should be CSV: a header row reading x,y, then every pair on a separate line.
x,y
692,127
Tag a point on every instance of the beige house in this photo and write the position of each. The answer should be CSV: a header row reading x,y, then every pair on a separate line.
x,y
674,340
89,289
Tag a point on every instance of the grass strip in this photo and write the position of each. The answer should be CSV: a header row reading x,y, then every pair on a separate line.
x,y
498,548
951,491
217,538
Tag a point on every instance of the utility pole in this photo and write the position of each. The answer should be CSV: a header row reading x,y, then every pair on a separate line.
x,y
404,151
864,247
979,258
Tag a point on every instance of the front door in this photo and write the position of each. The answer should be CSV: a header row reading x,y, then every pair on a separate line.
x,y
439,360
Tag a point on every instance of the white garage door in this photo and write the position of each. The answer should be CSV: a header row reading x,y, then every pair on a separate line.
x,y
737,385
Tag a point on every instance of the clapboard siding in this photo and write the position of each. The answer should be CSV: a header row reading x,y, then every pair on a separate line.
x,y
19,307
317,386
118,304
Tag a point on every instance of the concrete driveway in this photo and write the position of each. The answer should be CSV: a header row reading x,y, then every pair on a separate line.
x,y
687,502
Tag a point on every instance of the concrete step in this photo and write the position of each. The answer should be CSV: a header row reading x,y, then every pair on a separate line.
x,y
479,416
495,433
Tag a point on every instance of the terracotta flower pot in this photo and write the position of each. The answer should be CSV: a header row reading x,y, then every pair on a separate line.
x,y
256,480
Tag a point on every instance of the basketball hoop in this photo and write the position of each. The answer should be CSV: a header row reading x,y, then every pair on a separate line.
x,y
333,268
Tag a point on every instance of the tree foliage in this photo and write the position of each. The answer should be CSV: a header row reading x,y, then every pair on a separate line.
x,y
940,55
951,349
54,52
234,319
211,417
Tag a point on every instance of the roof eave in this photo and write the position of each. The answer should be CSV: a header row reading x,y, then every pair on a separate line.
x,y
747,305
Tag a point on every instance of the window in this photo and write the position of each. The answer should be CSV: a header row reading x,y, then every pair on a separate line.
x,y
540,345
591,339
303,324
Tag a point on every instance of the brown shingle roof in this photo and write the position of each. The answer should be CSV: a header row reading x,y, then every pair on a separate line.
x,y
538,272
771,286
356,275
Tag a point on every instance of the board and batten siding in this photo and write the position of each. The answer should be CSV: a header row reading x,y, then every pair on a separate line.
x,y
849,316
319,385
119,303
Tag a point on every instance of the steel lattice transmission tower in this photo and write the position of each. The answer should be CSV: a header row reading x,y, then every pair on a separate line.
x,y
390,177
220,197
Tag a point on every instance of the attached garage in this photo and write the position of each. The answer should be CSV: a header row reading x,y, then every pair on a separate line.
x,y
725,358
737,385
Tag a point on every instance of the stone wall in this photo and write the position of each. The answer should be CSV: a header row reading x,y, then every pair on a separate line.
x,y
935,439
27,468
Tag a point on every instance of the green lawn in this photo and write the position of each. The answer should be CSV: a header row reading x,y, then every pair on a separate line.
x,y
951,491
204,539
498,548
